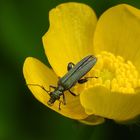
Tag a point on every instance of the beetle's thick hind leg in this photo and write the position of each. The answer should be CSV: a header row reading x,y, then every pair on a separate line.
x,y
85,79
70,66
81,81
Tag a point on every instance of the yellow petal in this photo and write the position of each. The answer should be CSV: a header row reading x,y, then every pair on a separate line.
x,y
70,35
93,120
36,72
112,105
118,31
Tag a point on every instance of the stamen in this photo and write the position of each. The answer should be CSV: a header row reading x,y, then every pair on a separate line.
x,y
114,73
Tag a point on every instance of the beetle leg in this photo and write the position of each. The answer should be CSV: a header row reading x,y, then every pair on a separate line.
x,y
52,87
85,79
72,93
81,81
64,99
60,102
70,65
59,105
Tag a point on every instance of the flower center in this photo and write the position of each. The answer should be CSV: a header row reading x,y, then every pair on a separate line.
x,y
114,73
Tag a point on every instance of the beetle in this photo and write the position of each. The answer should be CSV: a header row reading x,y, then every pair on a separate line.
x,y
73,76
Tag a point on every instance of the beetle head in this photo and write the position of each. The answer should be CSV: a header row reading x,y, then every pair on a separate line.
x,y
55,95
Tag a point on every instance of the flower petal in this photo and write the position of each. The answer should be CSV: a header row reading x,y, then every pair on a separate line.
x,y
118,31
70,35
36,72
93,120
101,102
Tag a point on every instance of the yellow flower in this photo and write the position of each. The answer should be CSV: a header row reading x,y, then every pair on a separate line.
x,y
114,39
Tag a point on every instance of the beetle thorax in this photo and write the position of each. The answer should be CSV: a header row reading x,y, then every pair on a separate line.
x,y
60,88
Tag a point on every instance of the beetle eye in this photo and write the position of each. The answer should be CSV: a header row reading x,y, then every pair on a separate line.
x,y
50,93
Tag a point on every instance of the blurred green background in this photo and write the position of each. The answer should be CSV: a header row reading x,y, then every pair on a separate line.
x,y
22,117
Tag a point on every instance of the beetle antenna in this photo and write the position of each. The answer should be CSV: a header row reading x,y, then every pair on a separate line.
x,y
39,86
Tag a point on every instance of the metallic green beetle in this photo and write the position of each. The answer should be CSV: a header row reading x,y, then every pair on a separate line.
x,y
74,75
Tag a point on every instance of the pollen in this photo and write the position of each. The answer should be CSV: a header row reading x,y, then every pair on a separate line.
x,y
114,73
